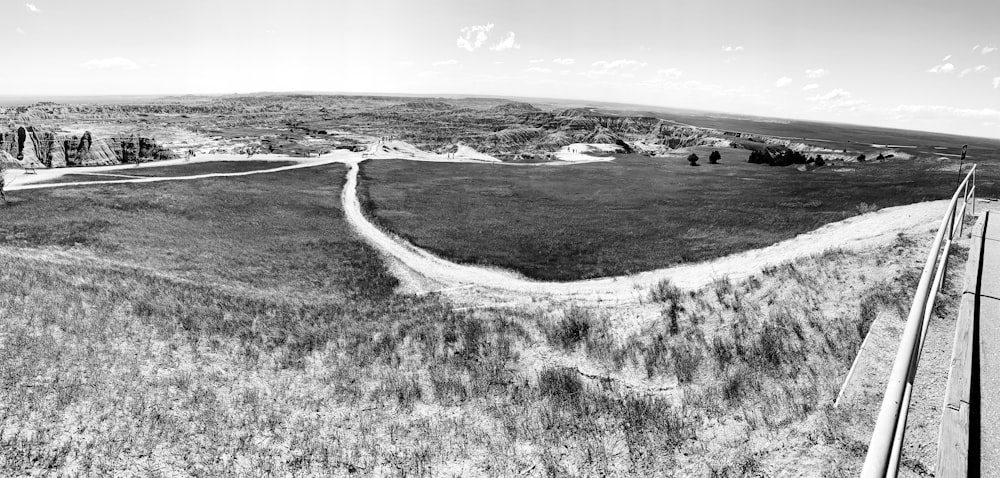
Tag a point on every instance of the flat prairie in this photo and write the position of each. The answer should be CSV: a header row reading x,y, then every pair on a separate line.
x,y
635,213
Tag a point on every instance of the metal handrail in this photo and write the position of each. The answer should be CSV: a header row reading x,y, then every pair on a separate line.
x,y
887,439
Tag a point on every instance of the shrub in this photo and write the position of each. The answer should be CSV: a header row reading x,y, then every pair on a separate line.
x,y
561,384
665,291
760,157
693,159
672,314
861,158
865,208
714,157
572,329
819,160
687,357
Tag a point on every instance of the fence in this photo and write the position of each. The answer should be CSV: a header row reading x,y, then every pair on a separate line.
x,y
887,439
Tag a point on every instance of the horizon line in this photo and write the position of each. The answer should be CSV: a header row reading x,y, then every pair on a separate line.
x,y
472,96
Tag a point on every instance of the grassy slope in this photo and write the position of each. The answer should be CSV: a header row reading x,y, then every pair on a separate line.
x,y
238,327
630,215
229,326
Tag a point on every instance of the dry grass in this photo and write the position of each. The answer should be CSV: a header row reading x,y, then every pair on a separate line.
x,y
117,359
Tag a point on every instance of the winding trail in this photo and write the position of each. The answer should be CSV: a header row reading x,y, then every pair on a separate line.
x,y
422,271
330,159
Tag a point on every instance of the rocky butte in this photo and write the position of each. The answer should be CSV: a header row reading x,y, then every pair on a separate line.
x,y
35,147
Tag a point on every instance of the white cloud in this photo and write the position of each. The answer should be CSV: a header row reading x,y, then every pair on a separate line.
x,y
940,111
664,77
19,30
986,50
669,73
445,63
996,81
616,67
977,69
536,60
508,43
537,69
810,87
113,63
730,49
943,68
564,61
32,8
975,48
782,82
837,100
473,36
946,58
817,73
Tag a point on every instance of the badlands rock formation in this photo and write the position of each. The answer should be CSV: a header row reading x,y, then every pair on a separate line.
x,y
29,146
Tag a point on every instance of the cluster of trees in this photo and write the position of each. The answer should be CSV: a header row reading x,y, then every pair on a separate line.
x,y
712,158
785,157
880,157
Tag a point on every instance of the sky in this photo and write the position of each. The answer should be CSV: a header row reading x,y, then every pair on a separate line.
x,y
917,64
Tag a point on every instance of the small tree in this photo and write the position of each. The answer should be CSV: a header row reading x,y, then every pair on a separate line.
x,y
693,159
3,179
714,157
861,158
819,160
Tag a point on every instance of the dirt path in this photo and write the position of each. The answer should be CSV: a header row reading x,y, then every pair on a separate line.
x,y
421,271
24,182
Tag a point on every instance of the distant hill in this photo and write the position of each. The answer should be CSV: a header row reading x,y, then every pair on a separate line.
x,y
515,107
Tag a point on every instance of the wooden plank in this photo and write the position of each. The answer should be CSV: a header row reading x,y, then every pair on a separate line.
x,y
980,227
953,441
953,449
959,378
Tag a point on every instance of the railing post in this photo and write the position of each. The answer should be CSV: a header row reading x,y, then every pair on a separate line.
x,y
973,190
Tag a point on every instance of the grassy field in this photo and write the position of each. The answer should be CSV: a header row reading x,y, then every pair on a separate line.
x,y
237,327
175,170
632,214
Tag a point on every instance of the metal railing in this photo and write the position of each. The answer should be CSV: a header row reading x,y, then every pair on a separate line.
x,y
886,444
